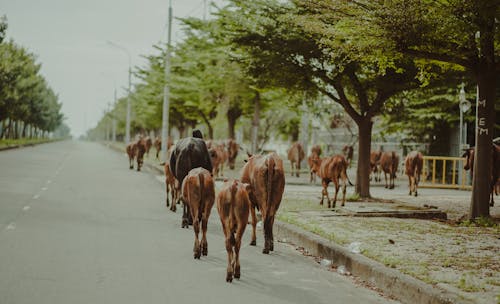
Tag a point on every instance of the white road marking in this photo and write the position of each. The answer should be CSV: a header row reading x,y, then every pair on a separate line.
x,y
36,196
11,226
44,188
26,208
49,181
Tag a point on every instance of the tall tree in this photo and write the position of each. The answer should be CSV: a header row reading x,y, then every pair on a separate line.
x,y
462,32
312,46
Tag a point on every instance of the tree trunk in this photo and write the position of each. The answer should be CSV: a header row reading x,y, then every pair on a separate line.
x,y
255,123
25,125
485,117
233,113
363,172
3,129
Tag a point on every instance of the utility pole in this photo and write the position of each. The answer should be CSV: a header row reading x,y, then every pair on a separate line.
x,y
166,91
114,122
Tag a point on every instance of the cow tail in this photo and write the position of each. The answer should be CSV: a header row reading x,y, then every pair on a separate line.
x,y
270,171
201,177
231,213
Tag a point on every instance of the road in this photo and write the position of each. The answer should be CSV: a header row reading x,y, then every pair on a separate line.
x,y
77,226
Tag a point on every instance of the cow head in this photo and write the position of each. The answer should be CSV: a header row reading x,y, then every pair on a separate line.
x,y
315,164
469,158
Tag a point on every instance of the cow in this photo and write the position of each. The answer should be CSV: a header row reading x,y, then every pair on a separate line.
x,y
171,187
131,152
375,170
332,169
218,155
157,145
189,153
140,146
233,205
198,193
295,156
315,154
389,162
266,177
232,152
495,168
413,168
149,143
348,151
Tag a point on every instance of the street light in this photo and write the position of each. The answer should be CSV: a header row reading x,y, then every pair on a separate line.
x,y
127,122
464,105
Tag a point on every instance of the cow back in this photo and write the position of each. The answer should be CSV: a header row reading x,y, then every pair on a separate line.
x,y
413,163
189,153
296,153
266,177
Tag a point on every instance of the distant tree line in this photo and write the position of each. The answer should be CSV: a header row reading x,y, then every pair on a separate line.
x,y
28,106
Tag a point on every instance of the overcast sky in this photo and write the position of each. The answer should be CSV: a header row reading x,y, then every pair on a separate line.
x,y
69,37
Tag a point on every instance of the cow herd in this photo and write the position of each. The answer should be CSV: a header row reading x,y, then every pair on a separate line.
x,y
189,177
193,164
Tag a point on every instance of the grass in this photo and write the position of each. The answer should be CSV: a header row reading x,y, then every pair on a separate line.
x,y
23,141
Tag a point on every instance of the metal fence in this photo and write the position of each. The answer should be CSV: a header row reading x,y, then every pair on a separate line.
x,y
444,172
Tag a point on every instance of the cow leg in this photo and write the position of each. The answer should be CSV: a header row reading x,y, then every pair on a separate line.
x,y
410,184
185,216
415,185
337,187
167,187
325,193
267,244
254,225
196,227
237,245
229,249
385,177
271,234
344,189
204,243
297,169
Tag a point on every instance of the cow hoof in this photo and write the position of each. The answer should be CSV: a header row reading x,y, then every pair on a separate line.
x,y
229,277
253,243
416,194
205,251
237,273
265,251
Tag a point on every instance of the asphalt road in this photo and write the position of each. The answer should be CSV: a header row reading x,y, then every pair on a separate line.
x,y
77,226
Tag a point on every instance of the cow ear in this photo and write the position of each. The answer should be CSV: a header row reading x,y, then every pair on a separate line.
x,y
245,160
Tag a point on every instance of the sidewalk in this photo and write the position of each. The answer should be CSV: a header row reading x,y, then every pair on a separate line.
x,y
415,261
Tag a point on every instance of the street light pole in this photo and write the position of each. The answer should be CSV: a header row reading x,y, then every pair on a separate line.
x,y
166,92
127,122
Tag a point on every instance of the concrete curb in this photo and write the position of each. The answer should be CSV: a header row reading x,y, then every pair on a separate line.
x,y
394,283
398,285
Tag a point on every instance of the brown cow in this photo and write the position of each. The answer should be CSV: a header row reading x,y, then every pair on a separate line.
x,y
131,152
198,193
218,155
332,169
233,205
157,145
232,152
348,151
140,146
149,143
375,165
315,154
495,167
266,177
389,162
295,156
413,168
171,185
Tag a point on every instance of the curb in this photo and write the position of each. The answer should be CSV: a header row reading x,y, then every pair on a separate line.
x,y
394,283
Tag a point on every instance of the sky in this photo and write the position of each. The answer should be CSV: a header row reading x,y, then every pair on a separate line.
x,y
70,39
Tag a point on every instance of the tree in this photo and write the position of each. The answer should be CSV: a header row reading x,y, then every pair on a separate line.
x,y
462,32
315,46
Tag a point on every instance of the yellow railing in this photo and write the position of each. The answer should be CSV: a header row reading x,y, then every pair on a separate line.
x,y
443,172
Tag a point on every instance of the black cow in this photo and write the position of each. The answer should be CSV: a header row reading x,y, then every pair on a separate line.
x,y
189,153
